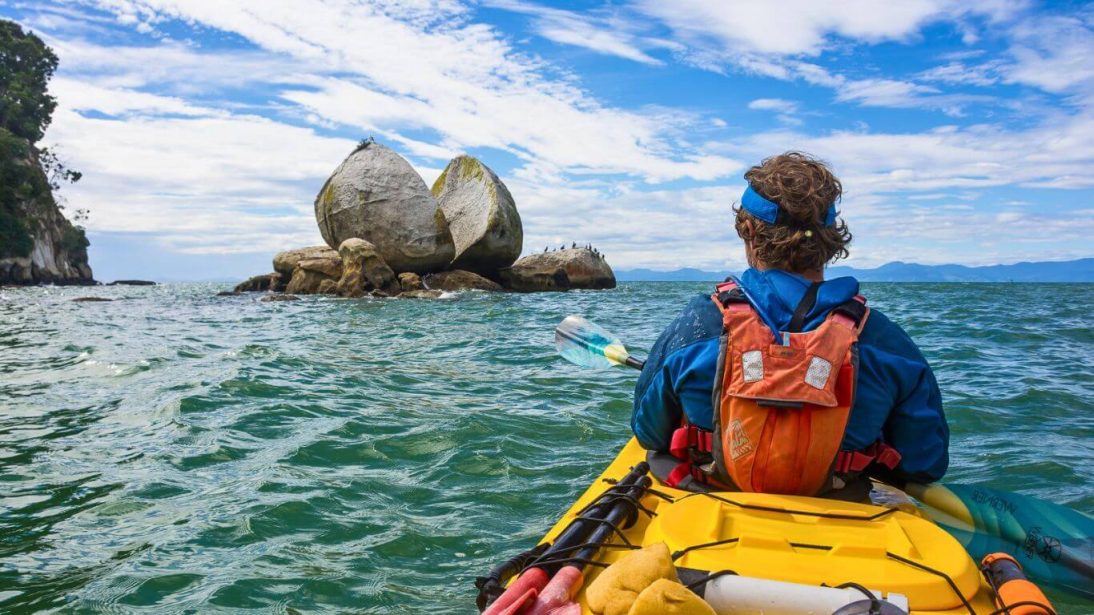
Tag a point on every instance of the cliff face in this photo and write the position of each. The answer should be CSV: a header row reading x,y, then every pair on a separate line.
x,y
57,251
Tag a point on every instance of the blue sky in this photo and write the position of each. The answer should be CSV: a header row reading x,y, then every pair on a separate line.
x,y
963,132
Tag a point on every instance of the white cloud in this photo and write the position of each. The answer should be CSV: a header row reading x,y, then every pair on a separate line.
x,y
201,184
956,73
461,80
83,96
774,104
1054,54
604,35
803,27
787,110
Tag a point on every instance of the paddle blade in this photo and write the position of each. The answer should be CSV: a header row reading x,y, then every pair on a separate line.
x,y
583,343
1053,543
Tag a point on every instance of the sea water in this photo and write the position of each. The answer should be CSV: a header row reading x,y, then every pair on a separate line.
x,y
173,451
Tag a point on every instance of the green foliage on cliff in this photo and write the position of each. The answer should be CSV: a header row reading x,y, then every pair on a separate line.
x,y
18,182
74,240
26,108
26,65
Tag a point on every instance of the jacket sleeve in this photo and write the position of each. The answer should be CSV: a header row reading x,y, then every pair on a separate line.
x,y
915,424
656,408
678,376
917,428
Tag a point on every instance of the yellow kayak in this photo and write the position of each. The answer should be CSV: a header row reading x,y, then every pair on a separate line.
x,y
886,547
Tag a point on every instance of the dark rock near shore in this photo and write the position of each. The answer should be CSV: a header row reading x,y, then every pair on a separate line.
x,y
132,283
570,268
229,293
280,298
259,283
459,280
90,299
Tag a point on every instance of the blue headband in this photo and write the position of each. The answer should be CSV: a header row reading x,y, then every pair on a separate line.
x,y
769,211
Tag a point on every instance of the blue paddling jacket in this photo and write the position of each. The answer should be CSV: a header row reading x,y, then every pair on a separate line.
x,y
897,398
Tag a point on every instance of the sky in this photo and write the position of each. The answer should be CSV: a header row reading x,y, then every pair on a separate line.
x,y
963,132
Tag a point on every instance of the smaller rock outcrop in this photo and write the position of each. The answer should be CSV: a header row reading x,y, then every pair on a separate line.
x,y
132,283
229,293
364,271
90,299
310,273
421,294
482,216
280,298
410,281
285,262
377,196
569,268
259,283
459,280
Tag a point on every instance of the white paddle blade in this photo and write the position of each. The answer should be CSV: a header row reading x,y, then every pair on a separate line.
x,y
583,343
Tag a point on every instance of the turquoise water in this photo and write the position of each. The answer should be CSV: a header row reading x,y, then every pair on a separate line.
x,y
172,451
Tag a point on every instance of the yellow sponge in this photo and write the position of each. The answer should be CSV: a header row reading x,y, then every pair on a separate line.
x,y
613,592
666,597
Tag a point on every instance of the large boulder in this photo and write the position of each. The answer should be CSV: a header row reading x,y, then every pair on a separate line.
x,y
559,270
459,280
377,196
363,270
481,214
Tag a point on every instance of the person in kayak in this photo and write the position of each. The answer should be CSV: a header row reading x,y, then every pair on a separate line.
x,y
828,388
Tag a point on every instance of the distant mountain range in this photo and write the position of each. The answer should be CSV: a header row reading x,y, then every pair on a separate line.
x,y
1081,270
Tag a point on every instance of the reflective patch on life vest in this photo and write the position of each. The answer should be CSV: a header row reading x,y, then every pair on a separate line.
x,y
752,365
740,444
817,374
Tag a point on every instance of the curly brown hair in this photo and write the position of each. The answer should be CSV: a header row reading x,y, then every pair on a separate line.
x,y
804,187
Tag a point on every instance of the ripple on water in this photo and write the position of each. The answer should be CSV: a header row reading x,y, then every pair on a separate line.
x,y
176,452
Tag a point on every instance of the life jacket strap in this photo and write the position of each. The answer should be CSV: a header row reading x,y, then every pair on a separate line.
x,y
678,474
857,461
728,293
689,438
851,313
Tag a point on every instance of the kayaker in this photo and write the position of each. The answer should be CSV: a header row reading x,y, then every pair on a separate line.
x,y
895,430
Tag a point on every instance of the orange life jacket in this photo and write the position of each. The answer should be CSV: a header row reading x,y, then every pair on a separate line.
x,y
780,409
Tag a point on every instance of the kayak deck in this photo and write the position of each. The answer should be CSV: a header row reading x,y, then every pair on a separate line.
x,y
811,541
